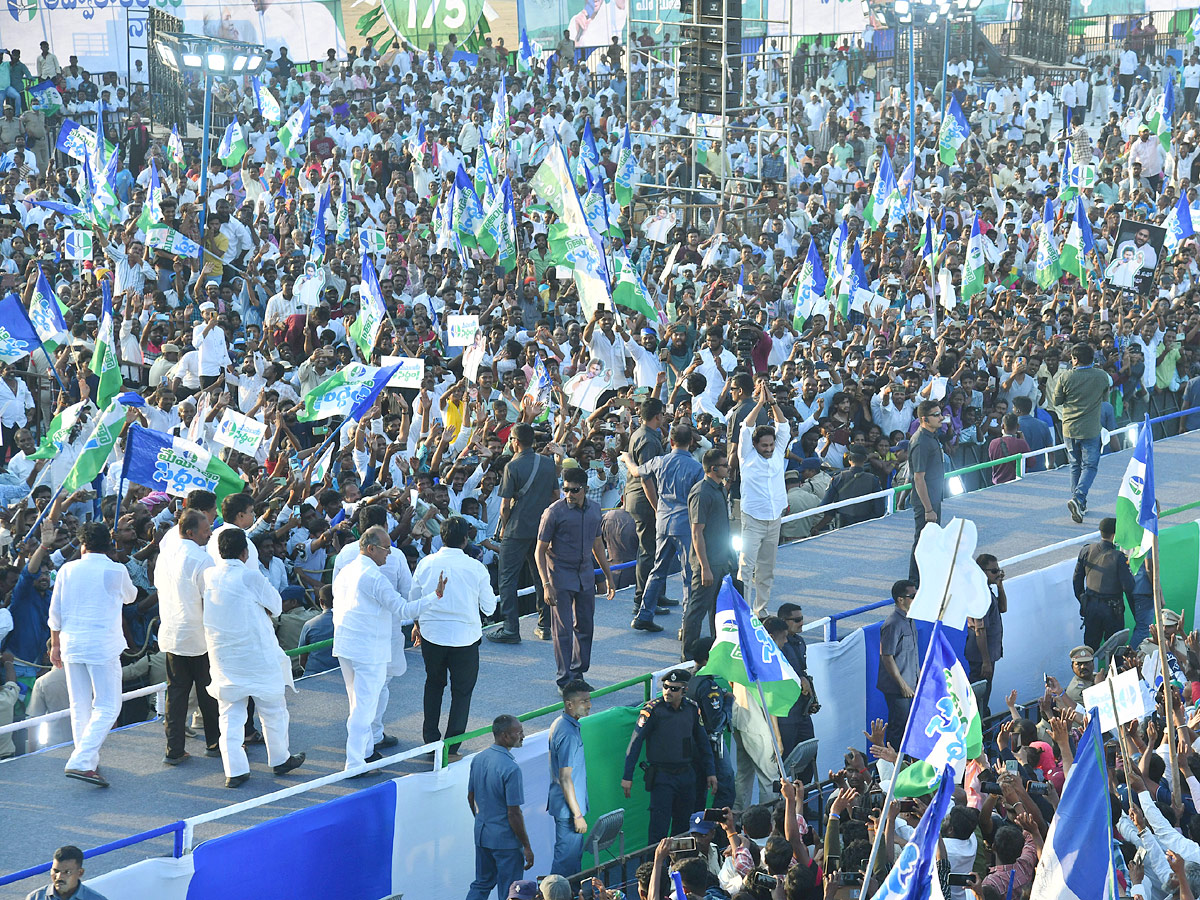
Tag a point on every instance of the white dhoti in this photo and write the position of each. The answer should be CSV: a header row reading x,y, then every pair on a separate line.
x,y
366,686
272,714
95,693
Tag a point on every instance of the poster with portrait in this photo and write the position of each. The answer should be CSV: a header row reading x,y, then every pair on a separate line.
x,y
1136,252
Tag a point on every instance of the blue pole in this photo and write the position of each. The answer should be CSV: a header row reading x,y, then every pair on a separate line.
x,y
912,102
208,80
945,66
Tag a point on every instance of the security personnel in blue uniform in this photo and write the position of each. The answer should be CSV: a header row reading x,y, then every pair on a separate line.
x,y
716,710
672,729
1102,581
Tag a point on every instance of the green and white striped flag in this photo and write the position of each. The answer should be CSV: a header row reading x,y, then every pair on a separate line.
x,y
98,447
337,394
58,436
1135,500
629,290
372,312
104,358
974,279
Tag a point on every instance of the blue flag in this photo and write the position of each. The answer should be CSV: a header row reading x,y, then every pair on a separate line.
x,y
163,462
378,383
58,206
911,878
1077,859
17,335
317,253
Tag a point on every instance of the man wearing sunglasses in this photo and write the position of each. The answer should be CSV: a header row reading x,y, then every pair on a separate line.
x,y
985,642
928,466
677,747
568,541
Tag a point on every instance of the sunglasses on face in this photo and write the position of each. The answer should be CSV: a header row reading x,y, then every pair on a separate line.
x,y
672,688
572,490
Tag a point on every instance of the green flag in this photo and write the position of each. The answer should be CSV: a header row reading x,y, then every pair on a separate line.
x,y
974,280
98,447
629,290
58,436
104,358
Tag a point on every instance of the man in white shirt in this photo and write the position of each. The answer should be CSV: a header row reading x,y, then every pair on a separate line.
x,y
365,607
246,659
237,511
179,579
762,456
86,640
607,345
209,340
449,628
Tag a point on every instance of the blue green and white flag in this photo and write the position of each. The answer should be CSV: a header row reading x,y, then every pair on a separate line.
x,y
838,248
467,208
623,178
175,147
1076,862
1047,265
901,202
629,290
152,208
98,446
528,53
810,288
167,239
946,729
953,133
233,145
881,194
1137,514
104,359
1178,226
46,314
18,337
316,249
1079,247
294,129
175,466
974,279
743,653
1164,115
340,393
914,875
372,311
498,132
268,106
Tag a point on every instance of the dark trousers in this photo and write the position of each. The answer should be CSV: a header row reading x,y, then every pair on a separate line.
x,y
461,666
639,507
794,730
1126,82
976,674
184,673
1189,98
700,606
207,381
919,521
571,623
898,707
1102,618
515,554
672,802
723,760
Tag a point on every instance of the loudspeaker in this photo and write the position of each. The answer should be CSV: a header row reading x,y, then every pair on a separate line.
x,y
710,55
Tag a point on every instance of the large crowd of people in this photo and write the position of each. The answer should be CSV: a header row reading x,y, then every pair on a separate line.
x,y
546,439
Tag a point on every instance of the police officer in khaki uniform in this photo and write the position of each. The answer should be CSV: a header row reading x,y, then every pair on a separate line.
x,y
1083,669
677,745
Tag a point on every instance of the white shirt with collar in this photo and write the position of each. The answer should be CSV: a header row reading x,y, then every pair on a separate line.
x,y
85,608
764,494
453,619
365,607
244,654
179,578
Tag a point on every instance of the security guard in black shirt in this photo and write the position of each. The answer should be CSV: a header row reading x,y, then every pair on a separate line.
x,y
1102,581
716,711
672,729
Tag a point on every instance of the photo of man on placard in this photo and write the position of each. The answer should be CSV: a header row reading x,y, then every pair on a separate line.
x,y
1136,253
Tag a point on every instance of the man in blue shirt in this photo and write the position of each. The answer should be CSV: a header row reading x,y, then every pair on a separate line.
x,y
30,609
672,477
495,792
1037,433
567,799
66,870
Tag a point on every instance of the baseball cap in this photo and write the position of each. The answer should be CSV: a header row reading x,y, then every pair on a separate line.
x,y
523,890
699,824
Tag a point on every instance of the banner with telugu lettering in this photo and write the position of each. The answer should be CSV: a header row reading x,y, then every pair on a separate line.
x,y
177,467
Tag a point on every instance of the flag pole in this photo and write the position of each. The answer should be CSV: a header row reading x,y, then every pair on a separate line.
x,y
771,728
891,791
1163,650
1120,731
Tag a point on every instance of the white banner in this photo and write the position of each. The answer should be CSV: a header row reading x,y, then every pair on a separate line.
x,y
240,433
460,330
410,374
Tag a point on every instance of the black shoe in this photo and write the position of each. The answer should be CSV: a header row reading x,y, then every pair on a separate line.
x,y
176,760
504,636
1076,510
661,610
667,601
237,780
541,633
374,757
388,741
295,761
640,625
212,752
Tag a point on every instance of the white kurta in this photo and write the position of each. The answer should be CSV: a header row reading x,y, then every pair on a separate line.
x,y
398,576
365,605
85,607
244,654
179,577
